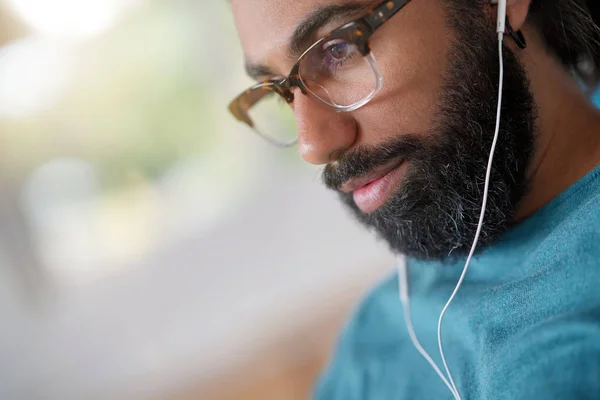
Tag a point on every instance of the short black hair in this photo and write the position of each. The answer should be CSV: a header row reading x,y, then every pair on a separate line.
x,y
570,30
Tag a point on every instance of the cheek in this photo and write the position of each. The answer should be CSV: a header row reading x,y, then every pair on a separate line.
x,y
413,68
408,108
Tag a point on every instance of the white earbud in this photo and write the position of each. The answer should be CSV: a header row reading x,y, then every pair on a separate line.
x,y
501,19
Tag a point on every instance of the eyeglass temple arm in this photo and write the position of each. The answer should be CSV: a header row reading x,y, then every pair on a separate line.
x,y
383,12
240,106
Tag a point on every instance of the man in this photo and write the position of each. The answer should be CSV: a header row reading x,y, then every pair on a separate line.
x,y
400,105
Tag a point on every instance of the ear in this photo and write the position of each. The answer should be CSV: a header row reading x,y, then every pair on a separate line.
x,y
517,12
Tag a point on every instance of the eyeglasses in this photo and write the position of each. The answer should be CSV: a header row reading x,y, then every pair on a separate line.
x,y
338,70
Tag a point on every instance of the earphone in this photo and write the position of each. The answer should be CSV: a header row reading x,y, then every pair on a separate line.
x,y
501,20
402,272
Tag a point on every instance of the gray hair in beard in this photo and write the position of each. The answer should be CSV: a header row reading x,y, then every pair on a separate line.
x,y
435,211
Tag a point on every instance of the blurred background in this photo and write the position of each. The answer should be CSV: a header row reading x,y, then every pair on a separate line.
x,y
151,247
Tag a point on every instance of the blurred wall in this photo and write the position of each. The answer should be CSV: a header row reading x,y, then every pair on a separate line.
x,y
151,247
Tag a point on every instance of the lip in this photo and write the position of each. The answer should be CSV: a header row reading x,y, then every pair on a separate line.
x,y
365,180
372,190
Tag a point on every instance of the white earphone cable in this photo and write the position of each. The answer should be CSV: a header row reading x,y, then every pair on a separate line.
x,y
402,272
481,217
404,298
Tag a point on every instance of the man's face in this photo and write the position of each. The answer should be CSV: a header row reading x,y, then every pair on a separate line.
x,y
411,163
410,51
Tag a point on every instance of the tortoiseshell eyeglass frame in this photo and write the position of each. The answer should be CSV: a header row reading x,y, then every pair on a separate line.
x,y
357,32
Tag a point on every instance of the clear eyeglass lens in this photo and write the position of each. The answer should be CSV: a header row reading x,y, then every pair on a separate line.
x,y
337,73
273,118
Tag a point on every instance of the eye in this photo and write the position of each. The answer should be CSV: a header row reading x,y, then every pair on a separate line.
x,y
329,58
337,53
339,50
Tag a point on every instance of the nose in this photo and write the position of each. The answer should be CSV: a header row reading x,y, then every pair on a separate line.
x,y
323,133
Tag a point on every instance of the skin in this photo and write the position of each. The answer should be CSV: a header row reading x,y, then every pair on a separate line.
x,y
412,51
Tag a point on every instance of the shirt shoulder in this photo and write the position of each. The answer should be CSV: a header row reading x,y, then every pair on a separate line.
x,y
558,358
573,242
544,323
368,339
566,231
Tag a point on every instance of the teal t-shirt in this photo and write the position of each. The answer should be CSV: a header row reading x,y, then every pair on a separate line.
x,y
524,325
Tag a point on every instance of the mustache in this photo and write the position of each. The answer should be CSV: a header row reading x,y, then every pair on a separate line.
x,y
364,159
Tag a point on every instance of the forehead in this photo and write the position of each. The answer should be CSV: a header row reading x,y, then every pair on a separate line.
x,y
265,26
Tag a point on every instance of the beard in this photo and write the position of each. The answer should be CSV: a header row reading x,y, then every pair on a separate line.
x,y
434,212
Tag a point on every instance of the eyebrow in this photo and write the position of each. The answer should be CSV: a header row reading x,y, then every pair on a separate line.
x,y
256,71
306,30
